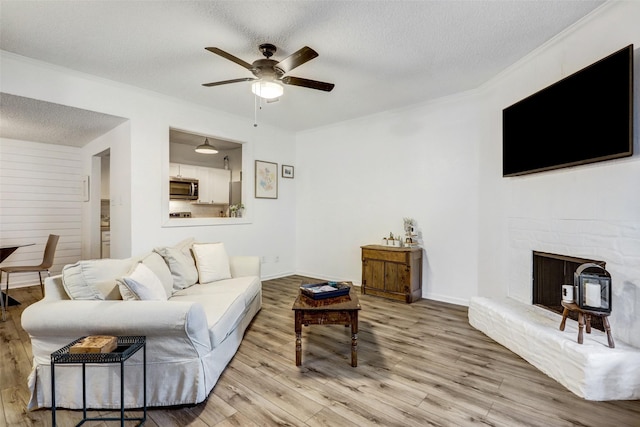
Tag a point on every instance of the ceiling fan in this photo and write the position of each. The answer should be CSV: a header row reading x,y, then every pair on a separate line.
x,y
269,73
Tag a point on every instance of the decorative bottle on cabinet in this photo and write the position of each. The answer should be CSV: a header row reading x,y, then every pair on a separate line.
x,y
391,272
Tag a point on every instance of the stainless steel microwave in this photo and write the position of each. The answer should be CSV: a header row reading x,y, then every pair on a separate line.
x,y
183,188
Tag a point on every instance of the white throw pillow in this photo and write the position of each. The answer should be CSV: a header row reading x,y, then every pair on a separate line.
x,y
142,284
212,262
180,263
160,268
94,279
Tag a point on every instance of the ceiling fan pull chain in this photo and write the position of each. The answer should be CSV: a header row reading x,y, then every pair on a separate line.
x,y
255,111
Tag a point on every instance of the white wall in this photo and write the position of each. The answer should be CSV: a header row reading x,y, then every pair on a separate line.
x,y
39,195
357,180
117,141
590,211
141,159
441,163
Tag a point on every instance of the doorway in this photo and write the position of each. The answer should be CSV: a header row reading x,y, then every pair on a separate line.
x,y
102,213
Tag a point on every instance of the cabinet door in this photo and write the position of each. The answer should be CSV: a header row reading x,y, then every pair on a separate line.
x,y
396,277
188,171
220,179
182,171
373,272
204,184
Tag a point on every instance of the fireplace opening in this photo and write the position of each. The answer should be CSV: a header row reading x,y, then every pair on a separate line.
x,y
550,272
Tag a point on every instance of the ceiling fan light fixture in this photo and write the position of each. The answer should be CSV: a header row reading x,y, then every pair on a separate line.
x,y
267,89
206,148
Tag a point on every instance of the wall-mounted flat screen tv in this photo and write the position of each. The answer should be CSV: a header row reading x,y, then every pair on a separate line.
x,y
584,118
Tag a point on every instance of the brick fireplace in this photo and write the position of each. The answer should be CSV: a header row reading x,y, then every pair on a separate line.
x,y
591,370
616,242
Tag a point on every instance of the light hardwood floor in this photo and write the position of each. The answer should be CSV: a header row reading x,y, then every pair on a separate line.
x,y
418,365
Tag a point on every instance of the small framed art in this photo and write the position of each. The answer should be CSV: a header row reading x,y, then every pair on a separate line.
x,y
266,180
287,171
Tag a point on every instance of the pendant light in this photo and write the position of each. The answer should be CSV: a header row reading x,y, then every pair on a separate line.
x,y
206,148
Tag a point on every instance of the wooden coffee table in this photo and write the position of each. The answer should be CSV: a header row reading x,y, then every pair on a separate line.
x,y
342,310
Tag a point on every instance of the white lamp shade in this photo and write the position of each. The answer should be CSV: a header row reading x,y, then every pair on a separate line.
x,y
206,148
267,89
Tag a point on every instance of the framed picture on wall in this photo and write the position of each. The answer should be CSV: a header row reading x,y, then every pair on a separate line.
x,y
266,180
287,171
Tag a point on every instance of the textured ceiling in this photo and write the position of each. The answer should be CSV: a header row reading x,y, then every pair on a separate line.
x,y
28,119
381,55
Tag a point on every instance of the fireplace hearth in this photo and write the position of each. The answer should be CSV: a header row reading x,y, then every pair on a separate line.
x,y
550,272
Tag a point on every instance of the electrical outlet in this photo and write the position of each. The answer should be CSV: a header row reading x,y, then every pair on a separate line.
x,y
277,259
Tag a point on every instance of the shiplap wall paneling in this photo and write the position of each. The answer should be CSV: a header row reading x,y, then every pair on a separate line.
x,y
40,194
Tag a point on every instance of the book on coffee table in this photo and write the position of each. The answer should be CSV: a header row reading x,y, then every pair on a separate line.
x,y
325,289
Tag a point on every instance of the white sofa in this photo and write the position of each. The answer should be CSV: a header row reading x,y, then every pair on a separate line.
x,y
191,335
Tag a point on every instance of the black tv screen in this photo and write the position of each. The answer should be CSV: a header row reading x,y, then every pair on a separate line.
x,y
584,118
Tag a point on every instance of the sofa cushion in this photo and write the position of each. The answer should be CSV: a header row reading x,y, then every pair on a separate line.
x,y
247,286
94,279
181,263
212,262
160,268
224,303
223,312
142,284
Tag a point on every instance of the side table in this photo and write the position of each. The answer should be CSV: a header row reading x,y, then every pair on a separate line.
x,y
582,315
127,347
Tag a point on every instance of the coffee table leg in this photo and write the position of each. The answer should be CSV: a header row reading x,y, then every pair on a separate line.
x,y
354,338
298,330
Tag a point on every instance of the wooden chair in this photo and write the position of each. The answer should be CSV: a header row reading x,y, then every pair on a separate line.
x,y
47,262
4,311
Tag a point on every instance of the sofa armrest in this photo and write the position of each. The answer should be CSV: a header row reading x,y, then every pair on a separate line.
x,y
59,322
244,266
54,289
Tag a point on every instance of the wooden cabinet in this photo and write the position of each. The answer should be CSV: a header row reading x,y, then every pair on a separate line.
x,y
390,272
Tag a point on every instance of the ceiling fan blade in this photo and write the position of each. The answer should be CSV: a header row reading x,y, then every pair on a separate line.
x,y
312,84
224,82
296,59
229,57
